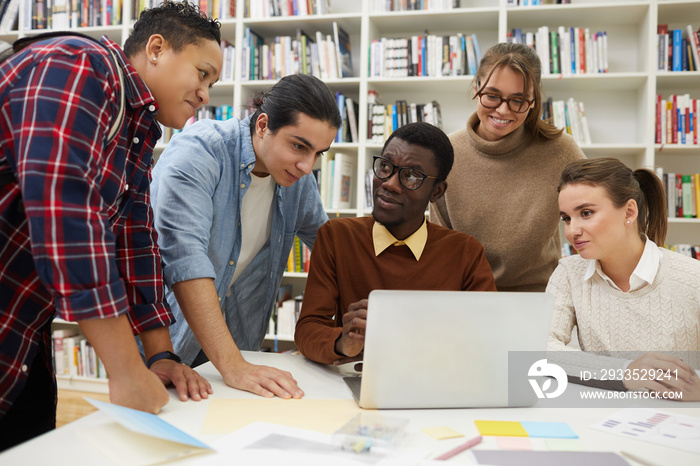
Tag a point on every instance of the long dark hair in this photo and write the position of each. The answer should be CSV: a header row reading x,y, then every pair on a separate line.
x,y
523,60
622,184
294,94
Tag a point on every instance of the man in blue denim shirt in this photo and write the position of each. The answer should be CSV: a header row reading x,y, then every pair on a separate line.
x,y
228,199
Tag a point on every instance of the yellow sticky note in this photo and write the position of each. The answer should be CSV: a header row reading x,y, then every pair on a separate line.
x,y
442,433
501,428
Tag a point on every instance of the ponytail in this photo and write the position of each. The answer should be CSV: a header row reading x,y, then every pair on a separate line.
x,y
653,218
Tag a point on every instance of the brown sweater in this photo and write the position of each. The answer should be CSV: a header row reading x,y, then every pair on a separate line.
x,y
504,193
344,270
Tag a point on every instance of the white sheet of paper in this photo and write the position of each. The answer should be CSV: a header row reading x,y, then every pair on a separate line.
x,y
649,425
146,423
264,443
138,438
124,447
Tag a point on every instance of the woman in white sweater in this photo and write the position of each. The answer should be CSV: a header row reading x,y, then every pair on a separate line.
x,y
629,299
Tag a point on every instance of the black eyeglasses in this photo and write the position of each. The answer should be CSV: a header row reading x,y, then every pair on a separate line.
x,y
410,178
516,104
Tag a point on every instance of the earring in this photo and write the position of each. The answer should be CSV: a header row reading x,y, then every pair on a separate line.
x,y
628,222
154,58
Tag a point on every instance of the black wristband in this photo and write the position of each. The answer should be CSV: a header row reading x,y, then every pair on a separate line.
x,y
163,355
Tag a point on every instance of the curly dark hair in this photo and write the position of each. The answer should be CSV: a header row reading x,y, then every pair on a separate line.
x,y
180,23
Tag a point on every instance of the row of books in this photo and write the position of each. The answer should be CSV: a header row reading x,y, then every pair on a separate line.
x,y
682,193
384,119
336,180
271,8
369,184
569,115
413,5
299,257
229,55
284,318
687,250
678,49
566,51
349,111
222,112
677,119
74,356
427,55
60,14
218,9
537,2
326,57
9,10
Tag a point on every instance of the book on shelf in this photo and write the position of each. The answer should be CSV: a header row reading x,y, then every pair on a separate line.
x,y
369,180
280,8
676,52
343,181
299,256
682,193
381,6
229,57
566,50
74,356
536,2
283,319
342,46
688,250
222,112
338,181
424,55
316,54
569,115
385,119
9,12
677,120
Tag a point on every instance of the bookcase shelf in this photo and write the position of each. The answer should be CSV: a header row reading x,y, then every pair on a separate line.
x,y
82,384
620,105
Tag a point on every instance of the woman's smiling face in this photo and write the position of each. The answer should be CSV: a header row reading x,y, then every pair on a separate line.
x,y
497,123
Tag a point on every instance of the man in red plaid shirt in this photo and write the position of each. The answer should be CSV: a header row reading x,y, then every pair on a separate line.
x,y
76,226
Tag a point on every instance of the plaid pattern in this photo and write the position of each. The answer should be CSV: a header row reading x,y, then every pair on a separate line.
x,y
76,229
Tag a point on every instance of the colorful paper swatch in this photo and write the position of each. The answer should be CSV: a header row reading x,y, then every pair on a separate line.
x,y
549,429
501,428
514,443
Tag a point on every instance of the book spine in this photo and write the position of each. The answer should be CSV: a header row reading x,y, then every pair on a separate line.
x,y
677,53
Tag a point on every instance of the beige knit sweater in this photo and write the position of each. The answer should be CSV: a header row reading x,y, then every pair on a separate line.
x,y
504,193
663,316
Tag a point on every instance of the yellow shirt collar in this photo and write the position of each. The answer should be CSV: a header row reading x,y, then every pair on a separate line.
x,y
383,239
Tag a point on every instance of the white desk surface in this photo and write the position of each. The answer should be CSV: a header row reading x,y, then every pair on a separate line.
x,y
62,446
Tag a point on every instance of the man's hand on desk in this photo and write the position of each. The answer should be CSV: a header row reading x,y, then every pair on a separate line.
x,y
184,378
663,373
140,389
352,340
262,380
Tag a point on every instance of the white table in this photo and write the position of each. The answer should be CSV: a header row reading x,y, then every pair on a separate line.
x,y
62,446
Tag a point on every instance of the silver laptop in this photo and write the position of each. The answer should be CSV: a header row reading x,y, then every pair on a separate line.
x,y
450,349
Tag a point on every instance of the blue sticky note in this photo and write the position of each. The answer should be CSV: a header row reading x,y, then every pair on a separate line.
x,y
548,429
146,423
